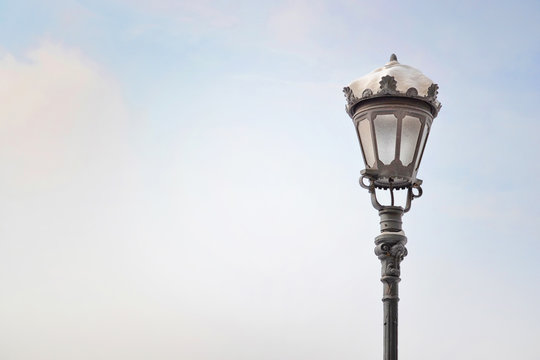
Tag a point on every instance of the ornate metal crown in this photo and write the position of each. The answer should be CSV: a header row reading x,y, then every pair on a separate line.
x,y
389,88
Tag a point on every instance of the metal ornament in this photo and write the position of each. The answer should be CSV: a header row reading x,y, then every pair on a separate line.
x,y
389,87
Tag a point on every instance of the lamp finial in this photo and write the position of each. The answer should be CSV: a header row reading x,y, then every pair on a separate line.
x,y
393,57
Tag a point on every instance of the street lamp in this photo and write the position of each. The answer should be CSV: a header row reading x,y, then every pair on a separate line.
x,y
392,108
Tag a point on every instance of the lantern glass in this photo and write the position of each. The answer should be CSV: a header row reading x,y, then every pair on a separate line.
x,y
386,134
410,129
421,147
364,131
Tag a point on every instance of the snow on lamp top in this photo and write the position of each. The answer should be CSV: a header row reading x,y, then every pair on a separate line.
x,y
393,79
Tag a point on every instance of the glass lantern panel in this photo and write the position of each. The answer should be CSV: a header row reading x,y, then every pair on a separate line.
x,y
421,147
386,134
410,129
364,129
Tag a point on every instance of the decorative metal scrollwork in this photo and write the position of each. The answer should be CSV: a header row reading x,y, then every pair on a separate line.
x,y
366,93
370,186
412,92
388,87
349,95
391,256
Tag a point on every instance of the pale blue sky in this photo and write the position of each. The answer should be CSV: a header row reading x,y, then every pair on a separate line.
x,y
179,181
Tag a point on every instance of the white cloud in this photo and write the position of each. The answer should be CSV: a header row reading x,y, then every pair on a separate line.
x,y
67,204
60,114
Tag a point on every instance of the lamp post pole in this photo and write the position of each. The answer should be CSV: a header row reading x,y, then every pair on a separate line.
x,y
392,109
390,249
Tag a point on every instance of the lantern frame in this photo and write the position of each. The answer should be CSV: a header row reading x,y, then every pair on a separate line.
x,y
402,115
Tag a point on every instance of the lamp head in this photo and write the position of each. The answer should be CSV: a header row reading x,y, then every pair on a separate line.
x,y
392,108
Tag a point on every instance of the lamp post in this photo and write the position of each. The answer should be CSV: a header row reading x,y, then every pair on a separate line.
x,y
392,109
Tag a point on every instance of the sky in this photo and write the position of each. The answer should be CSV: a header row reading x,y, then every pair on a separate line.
x,y
179,180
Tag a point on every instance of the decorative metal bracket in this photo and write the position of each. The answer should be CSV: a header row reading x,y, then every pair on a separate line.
x,y
411,195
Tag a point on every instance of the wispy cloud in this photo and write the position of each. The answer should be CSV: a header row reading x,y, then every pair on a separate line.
x,y
60,113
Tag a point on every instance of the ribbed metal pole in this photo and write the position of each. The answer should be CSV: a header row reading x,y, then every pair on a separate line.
x,y
390,249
